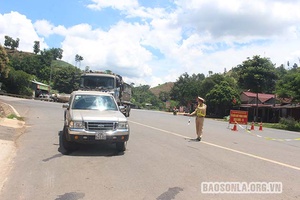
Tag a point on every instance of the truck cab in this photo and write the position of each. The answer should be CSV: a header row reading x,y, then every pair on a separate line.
x,y
110,83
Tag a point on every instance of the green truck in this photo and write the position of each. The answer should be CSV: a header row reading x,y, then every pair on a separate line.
x,y
110,83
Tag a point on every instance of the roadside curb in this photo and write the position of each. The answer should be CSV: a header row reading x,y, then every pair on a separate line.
x,y
8,146
6,110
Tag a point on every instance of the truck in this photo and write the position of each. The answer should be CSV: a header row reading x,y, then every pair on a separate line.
x,y
110,83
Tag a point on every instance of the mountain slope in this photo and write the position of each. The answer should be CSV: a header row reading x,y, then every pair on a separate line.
x,y
166,87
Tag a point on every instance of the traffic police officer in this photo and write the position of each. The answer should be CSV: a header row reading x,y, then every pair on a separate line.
x,y
200,113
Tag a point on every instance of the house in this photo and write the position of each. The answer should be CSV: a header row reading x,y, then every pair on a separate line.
x,y
259,106
267,107
250,98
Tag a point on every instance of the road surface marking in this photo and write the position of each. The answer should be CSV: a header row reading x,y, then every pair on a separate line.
x,y
269,138
221,147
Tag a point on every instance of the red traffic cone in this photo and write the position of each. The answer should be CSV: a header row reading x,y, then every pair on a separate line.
x,y
252,126
234,127
260,126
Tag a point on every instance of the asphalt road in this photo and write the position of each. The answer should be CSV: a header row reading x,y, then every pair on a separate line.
x,y
161,161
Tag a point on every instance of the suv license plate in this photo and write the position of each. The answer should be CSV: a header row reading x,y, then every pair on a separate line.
x,y
100,136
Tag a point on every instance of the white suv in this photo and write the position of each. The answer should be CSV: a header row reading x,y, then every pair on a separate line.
x,y
93,117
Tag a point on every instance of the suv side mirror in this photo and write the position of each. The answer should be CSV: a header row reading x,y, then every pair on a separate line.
x,y
65,105
122,108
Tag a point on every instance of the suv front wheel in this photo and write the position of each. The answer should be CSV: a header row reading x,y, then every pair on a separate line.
x,y
67,145
121,146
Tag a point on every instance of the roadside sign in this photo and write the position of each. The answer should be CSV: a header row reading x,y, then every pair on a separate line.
x,y
238,116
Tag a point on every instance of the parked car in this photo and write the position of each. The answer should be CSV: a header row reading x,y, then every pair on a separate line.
x,y
94,117
44,97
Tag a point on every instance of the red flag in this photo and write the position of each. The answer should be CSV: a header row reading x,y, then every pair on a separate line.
x,y
234,101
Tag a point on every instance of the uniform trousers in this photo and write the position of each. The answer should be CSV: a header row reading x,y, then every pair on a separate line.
x,y
199,126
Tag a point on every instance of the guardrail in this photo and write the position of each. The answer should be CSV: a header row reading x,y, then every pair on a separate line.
x,y
26,97
16,95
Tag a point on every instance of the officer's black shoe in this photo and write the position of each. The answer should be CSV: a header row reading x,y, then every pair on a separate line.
x,y
198,139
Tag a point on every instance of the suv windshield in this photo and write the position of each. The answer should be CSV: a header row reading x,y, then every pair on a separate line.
x,y
94,102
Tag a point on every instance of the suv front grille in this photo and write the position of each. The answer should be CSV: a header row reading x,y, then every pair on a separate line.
x,y
95,126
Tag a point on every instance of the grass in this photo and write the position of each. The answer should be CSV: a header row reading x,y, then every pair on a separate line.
x,y
288,124
281,126
13,116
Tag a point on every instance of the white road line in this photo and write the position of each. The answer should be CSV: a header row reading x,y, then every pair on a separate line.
x,y
221,147
176,134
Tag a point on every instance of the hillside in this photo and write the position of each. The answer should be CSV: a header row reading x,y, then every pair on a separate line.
x,y
17,53
60,63
166,87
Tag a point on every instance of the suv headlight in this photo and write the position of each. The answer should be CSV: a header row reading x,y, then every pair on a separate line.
x,y
76,124
122,125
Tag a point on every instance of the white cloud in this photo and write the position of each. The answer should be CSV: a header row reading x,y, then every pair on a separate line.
x,y
116,4
46,29
238,18
118,49
16,26
156,45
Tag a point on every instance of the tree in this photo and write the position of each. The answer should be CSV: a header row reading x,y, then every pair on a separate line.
x,y
288,85
18,82
209,82
187,88
66,79
141,96
9,42
78,59
3,63
36,47
164,96
37,65
295,66
56,53
46,57
257,74
280,71
221,98
15,44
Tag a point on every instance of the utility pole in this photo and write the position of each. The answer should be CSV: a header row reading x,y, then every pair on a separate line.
x,y
256,113
50,79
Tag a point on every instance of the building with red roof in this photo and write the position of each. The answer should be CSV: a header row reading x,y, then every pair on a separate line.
x,y
267,107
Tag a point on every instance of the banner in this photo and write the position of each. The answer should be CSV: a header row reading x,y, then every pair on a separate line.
x,y
238,116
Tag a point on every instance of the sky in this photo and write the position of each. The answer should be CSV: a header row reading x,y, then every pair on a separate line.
x,y
151,42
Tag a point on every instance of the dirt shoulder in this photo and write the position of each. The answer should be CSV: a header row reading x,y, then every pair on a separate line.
x,y
8,129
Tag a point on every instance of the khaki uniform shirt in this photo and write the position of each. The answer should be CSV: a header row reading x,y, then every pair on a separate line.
x,y
200,111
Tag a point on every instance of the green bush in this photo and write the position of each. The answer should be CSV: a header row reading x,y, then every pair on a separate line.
x,y
289,124
297,126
